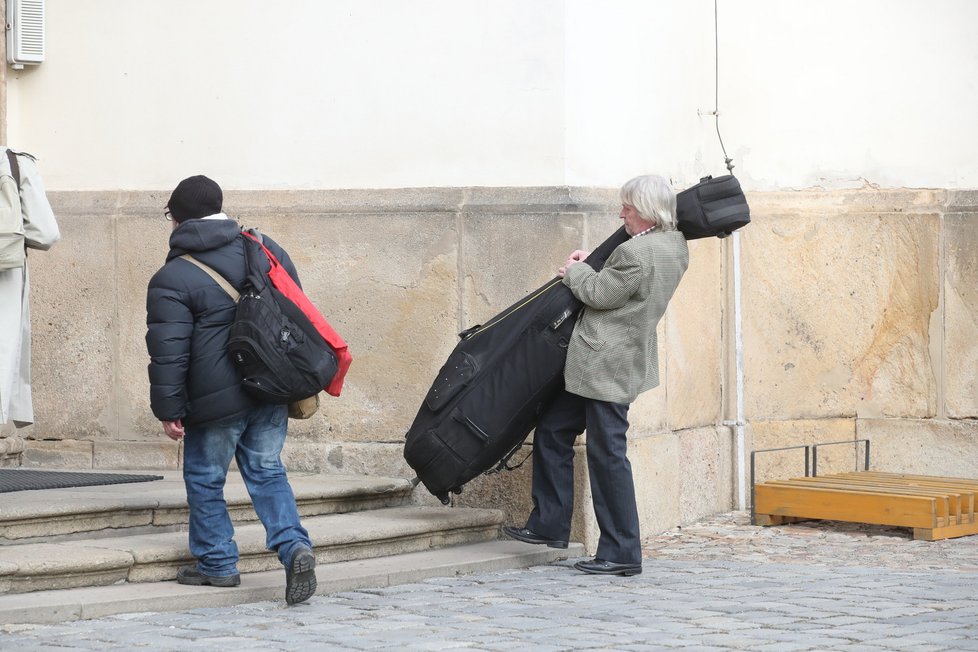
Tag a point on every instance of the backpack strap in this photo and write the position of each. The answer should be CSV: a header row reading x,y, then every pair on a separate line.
x,y
14,167
255,235
220,280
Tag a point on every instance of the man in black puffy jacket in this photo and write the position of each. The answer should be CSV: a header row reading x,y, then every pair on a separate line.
x,y
196,393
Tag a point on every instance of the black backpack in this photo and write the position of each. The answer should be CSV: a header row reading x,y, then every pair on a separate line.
x,y
276,349
713,207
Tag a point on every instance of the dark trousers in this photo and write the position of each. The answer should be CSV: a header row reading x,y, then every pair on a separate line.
x,y
612,487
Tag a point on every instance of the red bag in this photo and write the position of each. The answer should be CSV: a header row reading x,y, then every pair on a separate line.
x,y
284,284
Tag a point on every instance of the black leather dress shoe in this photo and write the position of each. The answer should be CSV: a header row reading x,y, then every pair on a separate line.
x,y
602,567
529,536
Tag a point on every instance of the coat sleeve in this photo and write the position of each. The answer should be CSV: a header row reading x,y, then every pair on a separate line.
x,y
169,328
40,227
610,288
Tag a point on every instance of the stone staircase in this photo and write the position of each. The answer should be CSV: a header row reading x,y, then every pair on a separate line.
x,y
88,552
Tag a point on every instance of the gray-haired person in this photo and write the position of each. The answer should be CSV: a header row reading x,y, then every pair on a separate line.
x,y
611,359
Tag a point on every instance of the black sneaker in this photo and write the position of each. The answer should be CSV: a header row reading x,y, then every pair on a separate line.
x,y
190,575
300,576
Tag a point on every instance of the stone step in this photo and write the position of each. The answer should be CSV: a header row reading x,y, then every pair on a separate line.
x,y
139,558
161,505
62,605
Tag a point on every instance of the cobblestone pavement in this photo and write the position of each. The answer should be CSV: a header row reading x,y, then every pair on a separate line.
x,y
720,584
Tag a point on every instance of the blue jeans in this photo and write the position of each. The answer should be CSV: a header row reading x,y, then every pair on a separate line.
x,y
255,441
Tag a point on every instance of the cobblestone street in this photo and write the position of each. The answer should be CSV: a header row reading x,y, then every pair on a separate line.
x,y
717,585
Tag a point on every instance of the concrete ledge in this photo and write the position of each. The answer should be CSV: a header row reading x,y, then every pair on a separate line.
x,y
375,201
98,602
964,200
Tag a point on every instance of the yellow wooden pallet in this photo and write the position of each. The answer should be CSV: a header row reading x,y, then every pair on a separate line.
x,y
934,507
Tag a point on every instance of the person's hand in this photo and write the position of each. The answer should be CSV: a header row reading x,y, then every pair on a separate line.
x,y
563,269
576,256
174,429
573,258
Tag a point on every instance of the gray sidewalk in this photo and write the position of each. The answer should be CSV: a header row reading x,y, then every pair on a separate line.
x,y
720,584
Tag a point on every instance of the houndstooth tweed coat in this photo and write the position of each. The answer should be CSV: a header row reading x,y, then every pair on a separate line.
x,y
613,353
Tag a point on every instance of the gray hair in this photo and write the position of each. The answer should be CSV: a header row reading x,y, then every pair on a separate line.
x,y
653,198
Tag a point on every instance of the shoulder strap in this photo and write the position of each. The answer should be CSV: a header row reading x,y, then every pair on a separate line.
x,y
255,235
220,280
14,167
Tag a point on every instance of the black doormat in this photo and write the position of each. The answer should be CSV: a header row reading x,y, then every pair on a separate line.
x,y
26,480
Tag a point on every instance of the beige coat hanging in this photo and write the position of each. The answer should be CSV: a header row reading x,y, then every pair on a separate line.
x,y
40,231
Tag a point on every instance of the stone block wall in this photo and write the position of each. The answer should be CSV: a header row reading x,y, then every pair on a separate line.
x,y
859,320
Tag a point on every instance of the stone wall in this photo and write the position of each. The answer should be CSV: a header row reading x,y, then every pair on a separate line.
x,y
859,320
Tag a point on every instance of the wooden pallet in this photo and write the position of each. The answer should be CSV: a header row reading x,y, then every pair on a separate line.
x,y
934,507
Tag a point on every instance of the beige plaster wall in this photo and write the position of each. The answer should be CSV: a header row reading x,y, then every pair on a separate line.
x,y
343,94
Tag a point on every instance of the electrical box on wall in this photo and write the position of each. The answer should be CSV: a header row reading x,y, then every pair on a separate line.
x,y
25,32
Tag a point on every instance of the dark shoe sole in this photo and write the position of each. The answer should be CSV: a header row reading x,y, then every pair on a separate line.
x,y
300,580
193,577
515,533
624,572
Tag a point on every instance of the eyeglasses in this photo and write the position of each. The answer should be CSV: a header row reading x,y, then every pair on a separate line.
x,y
166,214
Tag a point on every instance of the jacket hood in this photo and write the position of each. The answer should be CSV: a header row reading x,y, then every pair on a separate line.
x,y
202,235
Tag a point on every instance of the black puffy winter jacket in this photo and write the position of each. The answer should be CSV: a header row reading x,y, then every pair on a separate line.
x,y
188,319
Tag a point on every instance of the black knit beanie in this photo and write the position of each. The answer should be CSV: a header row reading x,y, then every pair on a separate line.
x,y
195,197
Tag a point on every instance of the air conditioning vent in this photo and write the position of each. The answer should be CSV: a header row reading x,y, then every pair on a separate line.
x,y
25,32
